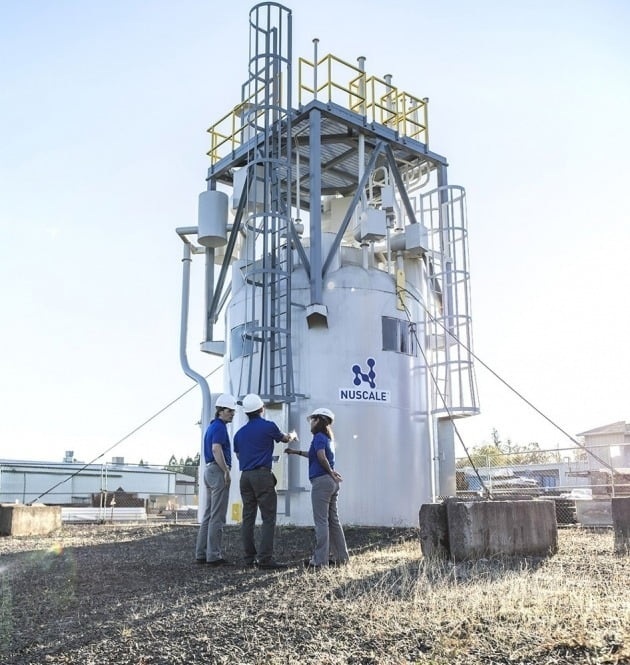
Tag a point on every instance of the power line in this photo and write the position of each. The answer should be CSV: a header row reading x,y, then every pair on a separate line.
x,y
124,438
439,392
510,387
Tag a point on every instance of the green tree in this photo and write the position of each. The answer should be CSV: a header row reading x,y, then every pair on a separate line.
x,y
507,454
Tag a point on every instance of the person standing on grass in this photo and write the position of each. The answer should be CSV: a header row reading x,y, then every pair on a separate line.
x,y
330,541
216,478
253,445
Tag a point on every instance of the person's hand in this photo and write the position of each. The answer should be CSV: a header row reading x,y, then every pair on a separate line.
x,y
289,451
336,476
226,477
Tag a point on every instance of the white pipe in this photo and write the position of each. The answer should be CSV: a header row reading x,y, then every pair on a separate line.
x,y
315,42
201,381
297,184
365,256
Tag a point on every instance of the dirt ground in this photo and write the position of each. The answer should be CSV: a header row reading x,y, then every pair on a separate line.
x,y
104,594
133,595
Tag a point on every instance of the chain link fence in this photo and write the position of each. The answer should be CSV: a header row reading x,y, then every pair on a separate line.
x,y
568,476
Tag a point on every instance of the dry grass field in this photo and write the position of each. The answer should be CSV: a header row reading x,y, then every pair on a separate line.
x,y
132,595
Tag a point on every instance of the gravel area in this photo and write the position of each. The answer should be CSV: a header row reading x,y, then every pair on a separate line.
x,y
104,594
133,595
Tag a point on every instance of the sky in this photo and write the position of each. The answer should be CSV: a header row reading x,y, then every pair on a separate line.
x,y
103,112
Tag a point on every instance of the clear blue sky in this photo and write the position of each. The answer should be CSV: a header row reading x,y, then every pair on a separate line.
x,y
103,112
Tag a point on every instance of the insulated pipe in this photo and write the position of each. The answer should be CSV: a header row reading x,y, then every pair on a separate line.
x,y
183,359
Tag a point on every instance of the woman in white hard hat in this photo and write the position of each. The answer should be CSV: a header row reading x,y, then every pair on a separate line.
x,y
330,542
216,477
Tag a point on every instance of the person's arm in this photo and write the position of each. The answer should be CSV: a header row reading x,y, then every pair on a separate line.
x,y
219,458
323,460
292,451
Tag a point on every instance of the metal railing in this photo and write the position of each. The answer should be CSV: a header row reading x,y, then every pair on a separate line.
x,y
333,80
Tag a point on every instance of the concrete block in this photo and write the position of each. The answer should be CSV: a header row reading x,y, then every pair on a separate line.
x,y
506,528
594,512
620,509
434,531
36,520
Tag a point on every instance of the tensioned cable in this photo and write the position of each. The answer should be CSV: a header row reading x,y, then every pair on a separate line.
x,y
514,390
124,438
487,492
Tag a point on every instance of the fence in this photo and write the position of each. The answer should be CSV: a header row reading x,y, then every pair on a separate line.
x,y
569,476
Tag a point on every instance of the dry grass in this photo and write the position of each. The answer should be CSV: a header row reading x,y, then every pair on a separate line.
x,y
131,595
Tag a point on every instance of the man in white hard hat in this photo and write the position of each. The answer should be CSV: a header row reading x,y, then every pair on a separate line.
x,y
216,478
253,445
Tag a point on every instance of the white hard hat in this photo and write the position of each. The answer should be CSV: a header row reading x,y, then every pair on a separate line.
x,y
251,403
322,412
225,401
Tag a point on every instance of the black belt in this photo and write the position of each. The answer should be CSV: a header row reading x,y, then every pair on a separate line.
x,y
260,467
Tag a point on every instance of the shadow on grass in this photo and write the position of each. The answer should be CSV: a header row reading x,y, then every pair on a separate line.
x,y
63,598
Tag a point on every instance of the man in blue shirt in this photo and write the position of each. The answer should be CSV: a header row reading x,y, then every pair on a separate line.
x,y
253,445
216,478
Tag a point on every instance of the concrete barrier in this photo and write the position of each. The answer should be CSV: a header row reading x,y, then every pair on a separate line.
x,y
434,531
479,529
593,512
620,508
37,520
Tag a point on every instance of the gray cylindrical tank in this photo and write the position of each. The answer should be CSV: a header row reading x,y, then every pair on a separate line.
x,y
212,218
379,395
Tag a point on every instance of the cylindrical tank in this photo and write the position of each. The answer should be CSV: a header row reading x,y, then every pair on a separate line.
x,y
366,367
212,218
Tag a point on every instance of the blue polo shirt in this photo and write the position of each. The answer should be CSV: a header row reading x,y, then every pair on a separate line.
x,y
254,443
320,442
217,433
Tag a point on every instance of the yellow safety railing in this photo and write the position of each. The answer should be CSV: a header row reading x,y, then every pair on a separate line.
x,y
373,97
233,128
330,79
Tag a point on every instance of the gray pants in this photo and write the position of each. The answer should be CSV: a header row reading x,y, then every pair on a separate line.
x,y
210,535
329,538
258,490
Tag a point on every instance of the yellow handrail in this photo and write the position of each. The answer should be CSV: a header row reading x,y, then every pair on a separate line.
x,y
372,97
343,83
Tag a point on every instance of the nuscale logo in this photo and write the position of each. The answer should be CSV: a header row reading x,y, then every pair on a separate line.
x,y
361,393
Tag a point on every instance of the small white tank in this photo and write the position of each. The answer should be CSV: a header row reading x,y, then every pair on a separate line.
x,y
212,218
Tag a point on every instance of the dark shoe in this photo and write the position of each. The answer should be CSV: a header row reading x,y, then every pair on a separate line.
x,y
308,565
272,565
337,564
200,561
250,564
219,562
312,568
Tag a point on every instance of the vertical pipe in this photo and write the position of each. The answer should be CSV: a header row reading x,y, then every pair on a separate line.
x,y
203,384
209,293
361,63
315,128
315,42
